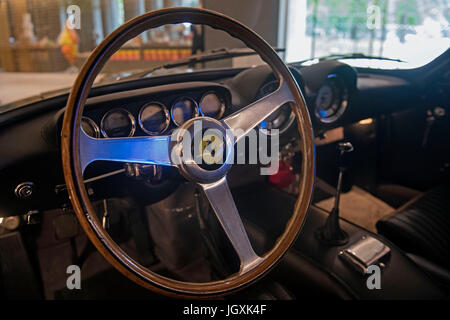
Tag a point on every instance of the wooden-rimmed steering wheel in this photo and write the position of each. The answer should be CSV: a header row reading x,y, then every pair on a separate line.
x,y
78,150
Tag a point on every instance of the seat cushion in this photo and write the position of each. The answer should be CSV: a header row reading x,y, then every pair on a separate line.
x,y
422,226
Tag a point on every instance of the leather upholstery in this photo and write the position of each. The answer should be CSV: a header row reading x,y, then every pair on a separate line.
x,y
311,269
437,272
422,227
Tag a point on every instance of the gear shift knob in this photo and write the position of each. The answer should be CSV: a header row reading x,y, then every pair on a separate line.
x,y
344,147
343,158
331,233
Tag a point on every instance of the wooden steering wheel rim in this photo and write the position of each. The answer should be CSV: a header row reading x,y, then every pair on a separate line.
x,y
70,144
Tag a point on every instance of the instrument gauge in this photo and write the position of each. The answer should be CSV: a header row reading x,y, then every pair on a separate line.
x,y
281,119
154,118
324,101
211,105
118,123
183,109
331,100
90,127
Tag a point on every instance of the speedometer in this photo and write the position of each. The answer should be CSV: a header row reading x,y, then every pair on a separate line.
x,y
118,123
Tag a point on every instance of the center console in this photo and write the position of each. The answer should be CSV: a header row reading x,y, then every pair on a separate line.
x,y
313,268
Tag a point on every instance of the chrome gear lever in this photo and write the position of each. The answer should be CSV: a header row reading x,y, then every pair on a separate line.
x,y
331,233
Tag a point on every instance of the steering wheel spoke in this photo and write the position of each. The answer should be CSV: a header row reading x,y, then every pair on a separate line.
x,y
145,150
244,120
221,200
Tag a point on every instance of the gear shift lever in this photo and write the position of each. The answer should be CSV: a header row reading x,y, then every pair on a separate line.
x,y
331,233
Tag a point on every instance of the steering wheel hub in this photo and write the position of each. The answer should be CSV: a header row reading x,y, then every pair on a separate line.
x,y
204,149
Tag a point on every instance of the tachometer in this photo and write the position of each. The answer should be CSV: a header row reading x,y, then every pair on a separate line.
x,y
118,123
183,109
154,118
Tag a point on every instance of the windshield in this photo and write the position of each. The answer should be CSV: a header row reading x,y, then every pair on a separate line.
x,y
414,31
43,44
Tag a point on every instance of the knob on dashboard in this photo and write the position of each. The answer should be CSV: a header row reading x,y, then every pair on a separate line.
x,y
24,190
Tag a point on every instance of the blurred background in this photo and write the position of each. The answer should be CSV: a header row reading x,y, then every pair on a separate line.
x,y
34,37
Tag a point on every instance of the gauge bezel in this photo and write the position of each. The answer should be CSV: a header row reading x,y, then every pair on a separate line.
x,y
166,113
283,128
341,101
221,99
290,119
94,126
128,113
196,111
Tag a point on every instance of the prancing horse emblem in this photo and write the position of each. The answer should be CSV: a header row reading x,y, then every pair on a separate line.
x,y
211,148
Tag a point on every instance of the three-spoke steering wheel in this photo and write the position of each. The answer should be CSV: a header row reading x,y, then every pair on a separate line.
x,y
79,150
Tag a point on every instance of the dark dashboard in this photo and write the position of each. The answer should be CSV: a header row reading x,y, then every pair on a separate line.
x,y
336,95
154,111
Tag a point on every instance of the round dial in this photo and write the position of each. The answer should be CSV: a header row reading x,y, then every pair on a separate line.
x,y
90,127
212,105
278,119
118,123
183,109
324,101
154,118
282,118
331,100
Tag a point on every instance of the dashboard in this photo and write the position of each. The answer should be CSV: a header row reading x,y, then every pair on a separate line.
x,y
155,111
336,95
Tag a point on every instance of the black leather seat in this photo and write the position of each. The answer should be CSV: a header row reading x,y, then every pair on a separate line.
x,y
422,229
